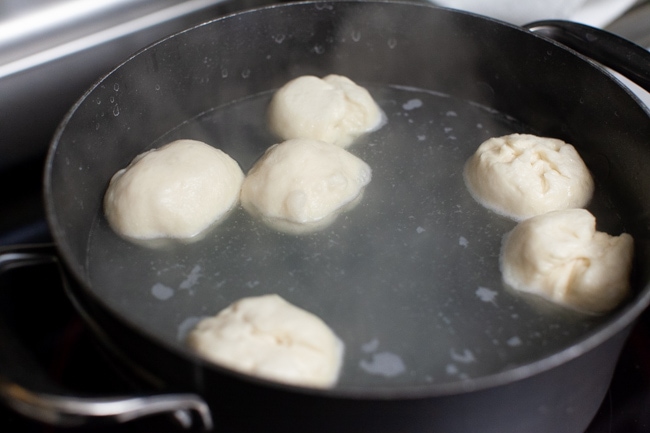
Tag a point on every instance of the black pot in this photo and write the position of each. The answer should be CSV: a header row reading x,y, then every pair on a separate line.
x,y
397,276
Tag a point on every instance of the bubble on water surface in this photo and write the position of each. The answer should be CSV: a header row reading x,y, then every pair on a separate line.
x,y
162,292
465,357
385,364
192,278
486,295
412,104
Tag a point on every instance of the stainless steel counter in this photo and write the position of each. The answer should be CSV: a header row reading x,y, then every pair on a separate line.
x,y
52,51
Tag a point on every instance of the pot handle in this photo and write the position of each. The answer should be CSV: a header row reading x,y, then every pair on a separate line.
x,y
613,51
43,401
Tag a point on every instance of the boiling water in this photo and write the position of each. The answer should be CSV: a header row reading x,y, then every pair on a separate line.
x,y
409,279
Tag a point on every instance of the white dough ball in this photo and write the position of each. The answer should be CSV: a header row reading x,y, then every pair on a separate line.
x,y
522,175
303,183
176,191
561,257
268,337
333,109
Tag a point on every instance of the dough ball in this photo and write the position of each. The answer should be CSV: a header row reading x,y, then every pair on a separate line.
x,y
561,257
333,109
522,175
268,337
303,183
176,191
